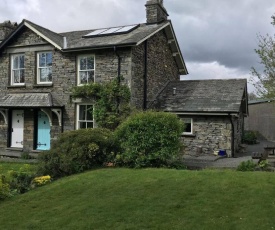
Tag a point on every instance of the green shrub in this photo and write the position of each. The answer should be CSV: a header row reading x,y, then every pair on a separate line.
x,y
77,151
20,181
263,165
4,188
247,166
250,137
149,139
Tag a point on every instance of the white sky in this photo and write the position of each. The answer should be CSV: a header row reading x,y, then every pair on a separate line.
x,y
217,37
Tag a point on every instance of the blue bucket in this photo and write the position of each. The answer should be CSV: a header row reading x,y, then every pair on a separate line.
x,y
222,153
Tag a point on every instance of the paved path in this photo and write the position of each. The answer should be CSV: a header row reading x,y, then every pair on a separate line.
x,y
211,161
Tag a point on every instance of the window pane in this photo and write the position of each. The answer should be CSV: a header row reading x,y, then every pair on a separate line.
x,y
49,59
22,62
45,74
83,65
90,76
16,76
188,128
187,124
15,62
50,74
22,76
90,62
42,60
89,113
82,125
90,125
83,77
82,109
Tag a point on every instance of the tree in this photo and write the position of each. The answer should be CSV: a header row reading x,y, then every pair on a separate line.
x,y
252,96
264,81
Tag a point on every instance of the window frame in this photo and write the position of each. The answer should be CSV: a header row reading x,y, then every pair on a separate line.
x,y
191,119
13,56
79,70
77,115
38,68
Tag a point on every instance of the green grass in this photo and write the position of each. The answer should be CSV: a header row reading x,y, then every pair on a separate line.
x,y
147,199
7,166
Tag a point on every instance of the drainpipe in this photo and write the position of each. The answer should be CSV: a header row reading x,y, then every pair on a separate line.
x,y
118,74
145,77
118,65
232,135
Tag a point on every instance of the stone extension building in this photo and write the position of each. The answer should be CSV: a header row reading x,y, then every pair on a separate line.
x,y
213,111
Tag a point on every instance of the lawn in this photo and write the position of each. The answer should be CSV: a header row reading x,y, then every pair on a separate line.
x,y
7,166
147,199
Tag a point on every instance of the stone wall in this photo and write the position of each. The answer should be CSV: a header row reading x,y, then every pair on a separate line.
x,y
161,68
211,133
161,65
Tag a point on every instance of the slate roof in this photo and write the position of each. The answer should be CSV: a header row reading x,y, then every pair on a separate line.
x,y
74,40
198,96
30,100
55,37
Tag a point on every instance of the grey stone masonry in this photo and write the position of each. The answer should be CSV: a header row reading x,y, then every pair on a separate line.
x,y
6,28
210,133
155,11
161,68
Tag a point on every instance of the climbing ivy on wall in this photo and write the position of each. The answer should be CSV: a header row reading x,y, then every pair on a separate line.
x,y
111,101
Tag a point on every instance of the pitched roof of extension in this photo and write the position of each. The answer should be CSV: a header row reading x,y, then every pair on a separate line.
x,y
75,40
204,96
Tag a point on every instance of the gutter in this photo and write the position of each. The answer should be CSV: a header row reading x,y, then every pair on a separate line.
x,y
118,74
98,47
145,76
205,114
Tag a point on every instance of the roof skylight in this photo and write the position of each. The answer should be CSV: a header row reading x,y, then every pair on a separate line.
x,y
111,31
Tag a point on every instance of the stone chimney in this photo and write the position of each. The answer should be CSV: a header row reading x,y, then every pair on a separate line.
x,y
155,11
6,28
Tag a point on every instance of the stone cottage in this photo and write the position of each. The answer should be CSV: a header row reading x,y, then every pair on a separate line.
x,y
38,68
213,112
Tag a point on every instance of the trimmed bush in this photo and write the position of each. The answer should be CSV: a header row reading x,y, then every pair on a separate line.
x,y
250,137
20,181
149,139
5,191
77,151
247,166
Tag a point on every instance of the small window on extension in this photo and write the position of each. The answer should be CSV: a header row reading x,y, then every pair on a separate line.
x,y
188,125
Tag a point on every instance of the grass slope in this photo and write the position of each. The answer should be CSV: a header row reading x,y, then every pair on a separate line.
x,y
147,199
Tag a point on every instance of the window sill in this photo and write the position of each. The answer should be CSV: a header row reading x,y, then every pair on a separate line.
x,y
16,86
43,85
188,135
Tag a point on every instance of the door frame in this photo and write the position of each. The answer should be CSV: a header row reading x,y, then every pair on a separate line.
x,y
10,120
36,112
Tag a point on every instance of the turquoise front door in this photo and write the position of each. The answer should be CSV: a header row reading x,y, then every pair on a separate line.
x,y
43,132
